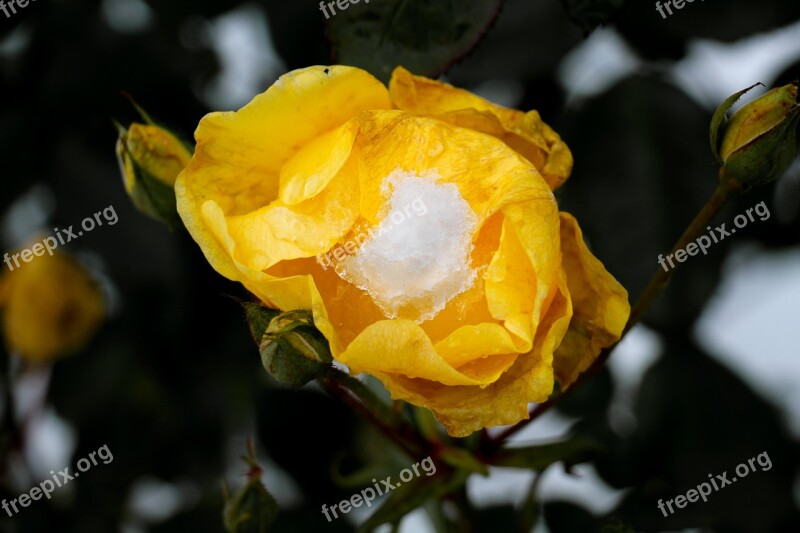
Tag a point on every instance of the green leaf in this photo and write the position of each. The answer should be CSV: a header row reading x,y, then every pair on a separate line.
x,y
424,37
464,460
531,508
720,118
588,14
408,496
540,457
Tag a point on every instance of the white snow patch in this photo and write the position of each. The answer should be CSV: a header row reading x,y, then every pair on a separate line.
x,y
416,261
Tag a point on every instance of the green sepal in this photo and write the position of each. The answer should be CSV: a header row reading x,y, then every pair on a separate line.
x,y
721,117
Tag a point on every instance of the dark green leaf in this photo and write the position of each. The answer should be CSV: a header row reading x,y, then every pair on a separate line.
x,y
424,37
531,508
540,457
464,460
588,14
408,496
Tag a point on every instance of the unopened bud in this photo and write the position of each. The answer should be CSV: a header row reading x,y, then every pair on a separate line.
x,y
252,509
293,351
759,141
150,159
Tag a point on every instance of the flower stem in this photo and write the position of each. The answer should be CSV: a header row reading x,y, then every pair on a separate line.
x,y
357,395
661,278
657,284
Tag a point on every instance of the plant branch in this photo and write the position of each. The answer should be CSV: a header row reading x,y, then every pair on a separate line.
x,y
357,395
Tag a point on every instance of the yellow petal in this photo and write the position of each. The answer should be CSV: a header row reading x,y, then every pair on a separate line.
x,y
487,173
312,168
511,281
468,343
400,347
239,156
524,132
600,303
279,232
465,409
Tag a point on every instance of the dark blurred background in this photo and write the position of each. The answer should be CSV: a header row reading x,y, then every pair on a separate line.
x,y
173,384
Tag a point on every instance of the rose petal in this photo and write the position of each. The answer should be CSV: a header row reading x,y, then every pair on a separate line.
x,y
600,303
239,156
524,132
465,409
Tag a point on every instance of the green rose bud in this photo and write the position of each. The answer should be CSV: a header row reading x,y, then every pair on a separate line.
x,y
150,159
252,509
759,141
293,351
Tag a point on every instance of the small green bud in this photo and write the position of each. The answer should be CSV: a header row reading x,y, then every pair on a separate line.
x,y
252,509
293,351
150,159
759,141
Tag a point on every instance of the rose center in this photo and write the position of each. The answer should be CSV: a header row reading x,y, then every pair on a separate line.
x,y
417,258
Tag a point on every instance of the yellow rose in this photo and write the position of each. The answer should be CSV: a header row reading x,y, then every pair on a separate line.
x,y
50,307
471,307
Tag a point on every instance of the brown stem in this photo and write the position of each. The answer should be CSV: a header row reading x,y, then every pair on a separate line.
x,y
661,278
356,395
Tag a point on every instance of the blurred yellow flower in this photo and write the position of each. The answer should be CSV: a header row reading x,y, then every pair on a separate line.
x,y
473,306
50,308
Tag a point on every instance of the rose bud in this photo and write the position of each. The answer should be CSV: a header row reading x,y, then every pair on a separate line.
x,y
759,141
150,158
